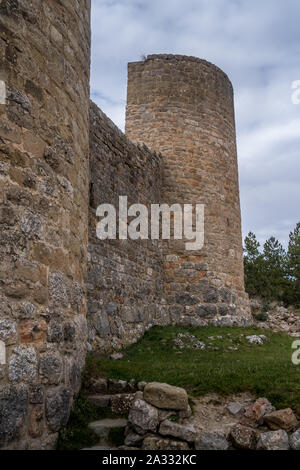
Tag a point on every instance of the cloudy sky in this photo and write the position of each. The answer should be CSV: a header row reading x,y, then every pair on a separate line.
x,y
257,43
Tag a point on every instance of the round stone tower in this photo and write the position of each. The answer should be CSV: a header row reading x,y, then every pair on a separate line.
x,y
44,107
183,107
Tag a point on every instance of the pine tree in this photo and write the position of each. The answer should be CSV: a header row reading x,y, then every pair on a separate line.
x,y
293,265
253,264
274,273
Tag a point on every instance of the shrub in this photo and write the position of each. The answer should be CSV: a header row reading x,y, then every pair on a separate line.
x,y
262,316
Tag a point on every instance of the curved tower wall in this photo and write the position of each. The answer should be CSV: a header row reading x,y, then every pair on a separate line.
x,y
45,58
183,107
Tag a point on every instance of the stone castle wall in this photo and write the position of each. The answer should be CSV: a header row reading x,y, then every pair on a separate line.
x,y
125,277
183,107
53,268
44,147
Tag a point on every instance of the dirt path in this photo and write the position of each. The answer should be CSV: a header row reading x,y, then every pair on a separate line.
x,y
211,413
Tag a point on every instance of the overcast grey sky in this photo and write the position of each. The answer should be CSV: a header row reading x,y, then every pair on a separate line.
x,y
257,43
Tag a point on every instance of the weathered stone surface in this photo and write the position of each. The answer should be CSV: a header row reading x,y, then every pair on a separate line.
x,y
243,437
55,333
36,394
295,440
121,403
58,290
255,339
23,364
211,440
141,386
157,443
51,368
44,200
139,396
166,414
57,408
31,331
188,341
254,415
273,440
186,299
236,408
186,433
185,414
281,419
206,311
8,331
31,225
69,331
75,377
36,421
125,298
133,439
143,417
13,411
103,401
166,396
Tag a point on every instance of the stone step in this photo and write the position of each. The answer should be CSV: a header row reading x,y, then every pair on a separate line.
x,y
104,426
103,401
120,403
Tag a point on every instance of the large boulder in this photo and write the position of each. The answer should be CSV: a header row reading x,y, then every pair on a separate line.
x,y
212,440
143,417
243,437
254,415
166,396
273,440
157,443
186,433
282,419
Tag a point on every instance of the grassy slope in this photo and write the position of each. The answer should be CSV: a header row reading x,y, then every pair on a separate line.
x,y
265,370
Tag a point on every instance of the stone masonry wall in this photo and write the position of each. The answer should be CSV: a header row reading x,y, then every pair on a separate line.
x,y
183,107
125,277
53,268
44,62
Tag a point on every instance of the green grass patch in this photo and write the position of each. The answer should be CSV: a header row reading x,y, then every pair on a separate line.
x,y
265,370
